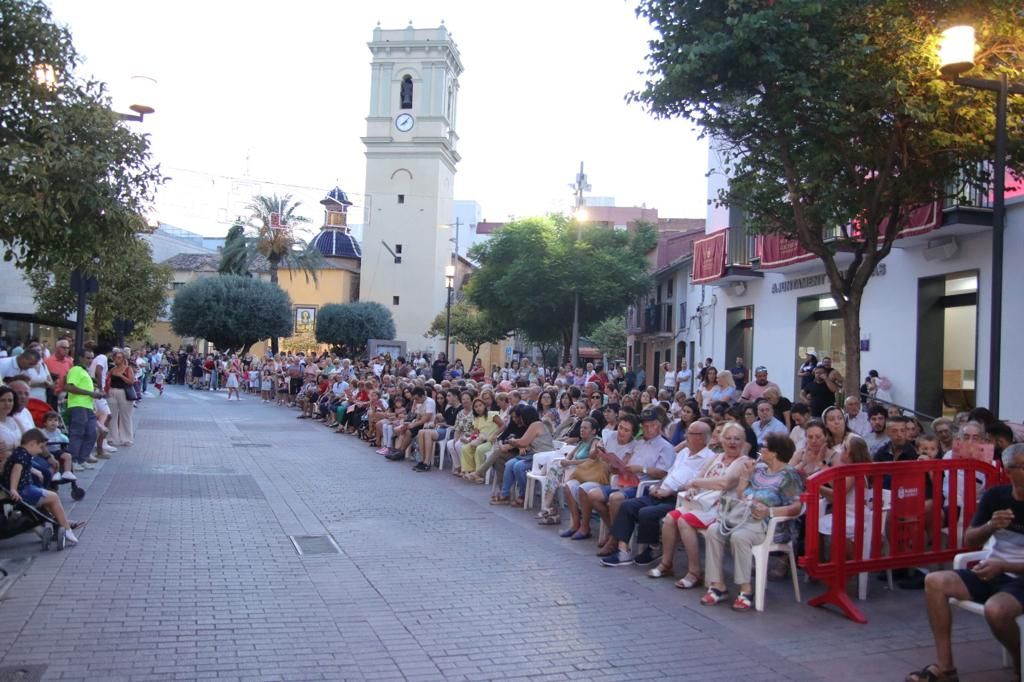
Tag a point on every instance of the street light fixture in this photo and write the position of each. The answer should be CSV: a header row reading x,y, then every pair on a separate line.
x,y
45,76
449,283
956,57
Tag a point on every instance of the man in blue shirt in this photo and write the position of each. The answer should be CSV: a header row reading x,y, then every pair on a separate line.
x,y
767,423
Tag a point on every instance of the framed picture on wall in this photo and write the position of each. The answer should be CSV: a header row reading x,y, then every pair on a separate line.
x,y
305,319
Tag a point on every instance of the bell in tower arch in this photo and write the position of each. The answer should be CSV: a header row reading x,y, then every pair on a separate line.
x,y
406,92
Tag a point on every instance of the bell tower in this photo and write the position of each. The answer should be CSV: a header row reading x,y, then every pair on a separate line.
x,y
410,170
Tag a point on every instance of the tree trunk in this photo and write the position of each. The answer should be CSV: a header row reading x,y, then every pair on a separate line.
x,y
567,345
273,280
475,350
851,338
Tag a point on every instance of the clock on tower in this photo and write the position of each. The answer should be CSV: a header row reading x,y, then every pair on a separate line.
x,y
410,170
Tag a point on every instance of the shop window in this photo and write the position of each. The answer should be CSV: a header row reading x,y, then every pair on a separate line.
x,y
394,300
401,198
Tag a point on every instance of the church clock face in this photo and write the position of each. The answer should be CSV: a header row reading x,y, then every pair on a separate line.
x,y
404,122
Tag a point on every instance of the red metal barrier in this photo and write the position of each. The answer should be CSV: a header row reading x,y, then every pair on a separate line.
x,y
915,533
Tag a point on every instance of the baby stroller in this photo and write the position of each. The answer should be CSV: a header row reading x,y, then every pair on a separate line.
x,y
18,517
39,409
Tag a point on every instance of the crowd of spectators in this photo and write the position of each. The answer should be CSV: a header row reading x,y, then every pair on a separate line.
x,y
61,415
651,462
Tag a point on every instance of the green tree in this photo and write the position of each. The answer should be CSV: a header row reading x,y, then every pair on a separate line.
x,y
232,311
531,269
831,117
609,336
470,326
349,326
131,287
234,257
70,173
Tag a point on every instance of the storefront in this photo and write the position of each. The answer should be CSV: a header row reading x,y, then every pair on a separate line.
x,y
923,320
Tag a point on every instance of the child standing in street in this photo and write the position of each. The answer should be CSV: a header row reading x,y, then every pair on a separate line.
x,y
158,380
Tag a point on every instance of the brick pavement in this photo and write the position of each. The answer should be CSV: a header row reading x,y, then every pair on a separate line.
x,y
186,572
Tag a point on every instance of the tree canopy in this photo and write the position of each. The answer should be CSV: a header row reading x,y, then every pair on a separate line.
x,y
71,173
831,118
530,271
349,326
470,327
131,287
274,238
231,311
609,336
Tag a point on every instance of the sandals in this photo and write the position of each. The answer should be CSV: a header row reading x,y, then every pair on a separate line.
x,y
660,571
714,596
931,673
518,502
499,500
689,581
568,533
549,521
743,602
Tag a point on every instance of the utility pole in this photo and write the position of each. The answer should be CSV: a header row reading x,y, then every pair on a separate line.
x,y
578,187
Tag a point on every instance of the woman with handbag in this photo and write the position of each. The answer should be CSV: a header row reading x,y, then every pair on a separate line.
x,y
121,380
770,488
697,507
556,473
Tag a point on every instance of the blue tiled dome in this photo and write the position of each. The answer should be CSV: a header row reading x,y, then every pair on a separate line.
x,y
338,196
337,243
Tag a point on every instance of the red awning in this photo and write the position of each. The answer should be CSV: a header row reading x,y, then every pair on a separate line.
x,y
709,257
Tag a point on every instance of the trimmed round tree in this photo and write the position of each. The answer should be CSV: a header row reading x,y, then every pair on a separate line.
x,y
350,326
231,311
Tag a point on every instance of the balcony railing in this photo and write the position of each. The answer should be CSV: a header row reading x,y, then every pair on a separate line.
x,y
634,320
959,194
658,318
742,248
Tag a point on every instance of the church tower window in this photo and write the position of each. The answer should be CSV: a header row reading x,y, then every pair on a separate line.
x,y
406,92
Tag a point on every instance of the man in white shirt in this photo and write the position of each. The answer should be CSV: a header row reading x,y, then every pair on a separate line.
x,y
856,417
644,513
683,377
98,371
766,422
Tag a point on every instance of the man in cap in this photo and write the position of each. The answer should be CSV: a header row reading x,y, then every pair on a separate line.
x,y
754,391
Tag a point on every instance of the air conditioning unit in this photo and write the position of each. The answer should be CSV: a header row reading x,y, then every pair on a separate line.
x,y
941,249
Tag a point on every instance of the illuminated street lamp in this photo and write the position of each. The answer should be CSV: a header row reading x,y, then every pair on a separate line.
x,y
956,57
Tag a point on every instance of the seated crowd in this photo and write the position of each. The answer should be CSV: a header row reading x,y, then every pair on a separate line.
x,y
653,464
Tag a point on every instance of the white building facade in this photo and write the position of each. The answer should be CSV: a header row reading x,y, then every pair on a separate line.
x,y
411,161
925,317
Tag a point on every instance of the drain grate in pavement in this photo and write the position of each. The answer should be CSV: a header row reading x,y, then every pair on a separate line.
x,y
22,673
311,545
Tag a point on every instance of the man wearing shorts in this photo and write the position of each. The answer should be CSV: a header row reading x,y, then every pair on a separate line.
x,y
997,582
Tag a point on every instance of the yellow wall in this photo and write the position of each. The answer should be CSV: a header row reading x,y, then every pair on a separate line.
x,y
332,286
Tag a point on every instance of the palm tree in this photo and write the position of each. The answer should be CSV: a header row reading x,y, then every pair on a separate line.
x,y
234,256
272,219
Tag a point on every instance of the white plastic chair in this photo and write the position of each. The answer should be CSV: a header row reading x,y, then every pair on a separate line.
x,y
538,470
761,553
960,561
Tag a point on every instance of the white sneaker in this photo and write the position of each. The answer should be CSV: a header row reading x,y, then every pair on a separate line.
x,y
68,476
107,447
86,465
57,477
70,537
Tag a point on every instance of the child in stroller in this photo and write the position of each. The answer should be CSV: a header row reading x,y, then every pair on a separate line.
x,y
20,480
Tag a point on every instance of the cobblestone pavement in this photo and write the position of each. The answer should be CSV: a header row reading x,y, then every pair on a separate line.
x,y
187,571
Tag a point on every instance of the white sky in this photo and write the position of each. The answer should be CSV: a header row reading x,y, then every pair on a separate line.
x,y
278,92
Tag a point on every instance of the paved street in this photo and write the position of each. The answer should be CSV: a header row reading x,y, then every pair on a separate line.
x,y
186,571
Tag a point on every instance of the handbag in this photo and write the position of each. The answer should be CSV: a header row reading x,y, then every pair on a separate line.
x,y
702,502
592,471
129,393
733,512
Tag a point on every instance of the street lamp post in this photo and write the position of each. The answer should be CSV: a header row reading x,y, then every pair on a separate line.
x,y
449,283
579,215
956,55
83,285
